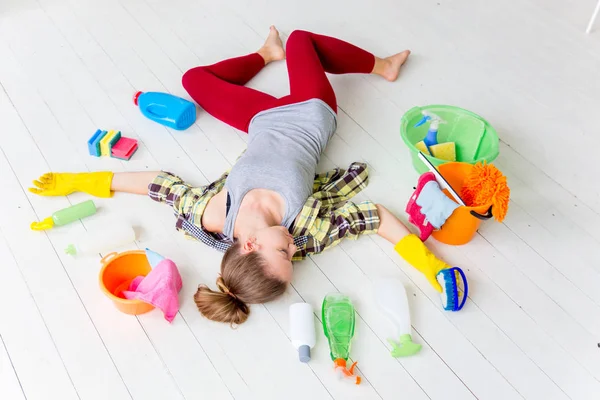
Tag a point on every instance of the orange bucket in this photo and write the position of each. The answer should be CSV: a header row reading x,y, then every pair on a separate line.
x,y
118,270
462,225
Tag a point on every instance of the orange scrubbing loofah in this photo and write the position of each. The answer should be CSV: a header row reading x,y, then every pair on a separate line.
x,y
486,185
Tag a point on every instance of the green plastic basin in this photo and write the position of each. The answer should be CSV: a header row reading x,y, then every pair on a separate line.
x,y
476,140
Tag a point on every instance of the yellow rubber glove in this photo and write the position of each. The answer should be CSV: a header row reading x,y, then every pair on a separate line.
x,y
61,184
414,251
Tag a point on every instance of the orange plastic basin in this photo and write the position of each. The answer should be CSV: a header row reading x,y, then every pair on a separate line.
x,y
462,225
118,270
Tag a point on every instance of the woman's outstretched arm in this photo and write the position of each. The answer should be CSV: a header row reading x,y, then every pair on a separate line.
x,y
133,182
390,227
409,246
99,184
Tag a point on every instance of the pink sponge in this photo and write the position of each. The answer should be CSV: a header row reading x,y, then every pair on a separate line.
x,y
124,148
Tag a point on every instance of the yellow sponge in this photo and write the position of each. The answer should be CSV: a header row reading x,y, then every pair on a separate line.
x,y
422,148
444,151
108,141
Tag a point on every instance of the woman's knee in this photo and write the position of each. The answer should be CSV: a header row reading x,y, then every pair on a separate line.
x,y
192,77
298,35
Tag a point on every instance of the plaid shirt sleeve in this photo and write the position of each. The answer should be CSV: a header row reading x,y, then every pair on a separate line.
x,y
188,204
187,201
348,221
329,216
337,186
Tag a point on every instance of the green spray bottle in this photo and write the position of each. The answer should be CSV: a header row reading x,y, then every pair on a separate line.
x,y
338,318
66,216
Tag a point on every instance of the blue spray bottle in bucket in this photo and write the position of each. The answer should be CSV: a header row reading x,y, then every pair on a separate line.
x,y
435,121
166,109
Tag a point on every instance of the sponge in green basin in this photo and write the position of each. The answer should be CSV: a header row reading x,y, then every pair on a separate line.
x,y
422,148
443,151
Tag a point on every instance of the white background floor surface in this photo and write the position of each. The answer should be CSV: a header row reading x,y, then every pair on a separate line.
x,y
532,324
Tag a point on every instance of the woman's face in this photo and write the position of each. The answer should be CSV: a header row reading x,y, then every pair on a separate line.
x,y
276,246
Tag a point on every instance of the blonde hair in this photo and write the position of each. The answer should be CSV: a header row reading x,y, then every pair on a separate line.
x,y
244,280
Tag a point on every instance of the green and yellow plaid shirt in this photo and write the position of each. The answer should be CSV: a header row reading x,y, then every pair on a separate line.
x,y
327,217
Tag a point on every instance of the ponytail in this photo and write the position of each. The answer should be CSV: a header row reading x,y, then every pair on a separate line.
x,y
221,306
243,281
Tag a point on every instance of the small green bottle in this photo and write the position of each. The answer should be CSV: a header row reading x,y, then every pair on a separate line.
x,y
338,318
66,216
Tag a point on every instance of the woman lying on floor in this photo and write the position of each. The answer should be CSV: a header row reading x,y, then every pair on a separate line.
x,y
271,208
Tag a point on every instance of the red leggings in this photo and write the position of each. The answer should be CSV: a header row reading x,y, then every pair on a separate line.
x,y
219,88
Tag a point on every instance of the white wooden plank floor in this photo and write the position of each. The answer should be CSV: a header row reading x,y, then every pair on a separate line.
x,y
532,325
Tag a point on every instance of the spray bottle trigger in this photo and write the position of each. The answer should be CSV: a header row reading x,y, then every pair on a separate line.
x,y
351,369
340,366
46,223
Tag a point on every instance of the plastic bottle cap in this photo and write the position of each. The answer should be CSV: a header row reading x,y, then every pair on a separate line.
x,y
71,250
135,98
304,353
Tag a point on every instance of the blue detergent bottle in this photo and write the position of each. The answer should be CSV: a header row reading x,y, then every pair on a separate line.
x,y
166,109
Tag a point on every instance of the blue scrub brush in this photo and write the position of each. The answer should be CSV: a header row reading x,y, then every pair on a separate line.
x,y
454,294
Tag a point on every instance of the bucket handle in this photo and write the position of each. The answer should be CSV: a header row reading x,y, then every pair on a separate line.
x,y
108,257
483,217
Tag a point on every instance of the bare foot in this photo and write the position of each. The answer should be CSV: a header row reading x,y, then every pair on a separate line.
x,y
389,67
272,50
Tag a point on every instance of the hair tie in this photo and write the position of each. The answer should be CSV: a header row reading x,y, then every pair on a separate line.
x,y
224,288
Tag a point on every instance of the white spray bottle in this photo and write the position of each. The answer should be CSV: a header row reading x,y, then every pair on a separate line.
x,y
102,238
302,329
390,296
